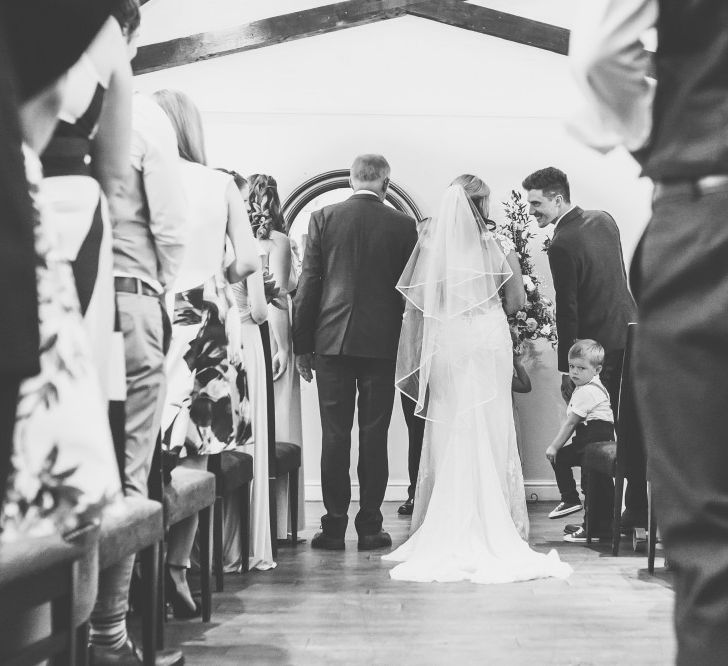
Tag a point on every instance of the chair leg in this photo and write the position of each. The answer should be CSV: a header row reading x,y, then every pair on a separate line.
x,y
161,601
82,645
149,561
616,520
205,587
588,504
651,532
245,527
273,509
62,613
293,503
217,529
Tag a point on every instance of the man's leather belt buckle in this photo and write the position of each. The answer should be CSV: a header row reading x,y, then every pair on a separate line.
x,y
696,188
131,285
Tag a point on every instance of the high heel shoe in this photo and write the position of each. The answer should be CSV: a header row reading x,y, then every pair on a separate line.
x,y
180,608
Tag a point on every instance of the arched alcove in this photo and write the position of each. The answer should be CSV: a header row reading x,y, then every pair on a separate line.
x,y
336,181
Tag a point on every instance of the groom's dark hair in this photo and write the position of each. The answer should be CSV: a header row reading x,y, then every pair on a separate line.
x,y
551,181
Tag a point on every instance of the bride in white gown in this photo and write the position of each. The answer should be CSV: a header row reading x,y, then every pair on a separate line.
x,y
455,361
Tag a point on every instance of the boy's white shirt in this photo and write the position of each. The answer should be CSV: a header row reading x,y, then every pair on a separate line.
x,y
591,402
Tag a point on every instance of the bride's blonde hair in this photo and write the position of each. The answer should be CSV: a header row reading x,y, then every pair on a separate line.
x,y
477,190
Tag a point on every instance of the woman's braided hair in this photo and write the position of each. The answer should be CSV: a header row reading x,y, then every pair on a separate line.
x,y
264,206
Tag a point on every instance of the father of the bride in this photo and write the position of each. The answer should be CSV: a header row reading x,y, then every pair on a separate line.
x,y
347,316
592,301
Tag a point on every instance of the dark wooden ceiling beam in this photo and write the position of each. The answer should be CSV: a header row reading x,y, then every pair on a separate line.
x,y
266,32
494,23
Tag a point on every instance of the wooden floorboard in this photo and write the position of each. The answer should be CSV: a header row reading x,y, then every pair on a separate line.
x,y
342,608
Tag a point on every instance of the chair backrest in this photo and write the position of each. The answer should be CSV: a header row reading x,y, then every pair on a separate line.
x,y
270,399
628,431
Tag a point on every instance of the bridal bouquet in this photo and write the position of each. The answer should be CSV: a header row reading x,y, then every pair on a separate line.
x,y
536,319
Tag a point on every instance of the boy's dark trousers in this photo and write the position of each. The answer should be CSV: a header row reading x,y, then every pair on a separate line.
x,y
572,455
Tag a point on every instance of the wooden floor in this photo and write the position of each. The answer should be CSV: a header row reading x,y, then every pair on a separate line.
x,y
320,607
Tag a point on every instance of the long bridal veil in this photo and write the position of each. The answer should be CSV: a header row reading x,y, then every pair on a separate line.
x,y
455,362
455,272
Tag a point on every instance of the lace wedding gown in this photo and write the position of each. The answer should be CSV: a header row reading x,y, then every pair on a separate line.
x,y
470,520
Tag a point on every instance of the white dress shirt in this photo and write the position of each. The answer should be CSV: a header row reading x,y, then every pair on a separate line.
x,y
610,66
150,220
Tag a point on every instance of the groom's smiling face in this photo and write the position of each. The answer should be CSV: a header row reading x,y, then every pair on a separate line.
x,y
545,209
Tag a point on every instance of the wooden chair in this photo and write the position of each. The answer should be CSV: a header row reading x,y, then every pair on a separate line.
x,y
192,491
284,458
37,571
233,472
187,491
135,526
609,457
651,531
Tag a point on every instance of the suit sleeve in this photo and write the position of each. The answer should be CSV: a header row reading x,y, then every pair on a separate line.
x,y
563,271
308,294
410,242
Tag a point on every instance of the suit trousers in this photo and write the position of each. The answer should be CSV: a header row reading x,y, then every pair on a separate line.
x,y
143,324
416,433
338,379
635,495
680,279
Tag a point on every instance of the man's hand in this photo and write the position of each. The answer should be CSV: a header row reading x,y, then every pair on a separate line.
x,y
567,387
304,365
551,454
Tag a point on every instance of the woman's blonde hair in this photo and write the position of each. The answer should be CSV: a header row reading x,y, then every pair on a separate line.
x,y
187,123
477,190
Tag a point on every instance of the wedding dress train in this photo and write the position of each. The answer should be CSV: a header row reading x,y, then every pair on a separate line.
x,y
470,518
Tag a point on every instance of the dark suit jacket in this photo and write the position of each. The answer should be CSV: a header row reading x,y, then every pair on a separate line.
x,y
346,302
592,296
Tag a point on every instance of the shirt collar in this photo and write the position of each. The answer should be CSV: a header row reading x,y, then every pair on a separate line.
x,y
365,192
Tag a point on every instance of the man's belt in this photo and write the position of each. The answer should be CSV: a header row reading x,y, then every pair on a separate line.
x,y
696,188
130,285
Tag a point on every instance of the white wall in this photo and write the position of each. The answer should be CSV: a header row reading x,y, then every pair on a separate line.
x,y
437,101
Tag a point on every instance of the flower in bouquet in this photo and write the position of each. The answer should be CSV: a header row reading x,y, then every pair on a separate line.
x,y
536,319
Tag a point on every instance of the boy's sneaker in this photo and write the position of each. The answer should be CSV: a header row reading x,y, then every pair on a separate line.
x,y
565,508
578,537
569,528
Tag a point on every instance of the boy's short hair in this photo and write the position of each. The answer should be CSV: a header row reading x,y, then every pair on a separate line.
x,y
589,350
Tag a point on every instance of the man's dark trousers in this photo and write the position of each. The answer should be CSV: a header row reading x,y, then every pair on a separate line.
x,y
338,379
681,370
416,433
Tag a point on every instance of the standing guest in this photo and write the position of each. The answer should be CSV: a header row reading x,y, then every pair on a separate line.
x,y
60,430
264,209
680,276
348,315
592,301
149,226
86,162
199,413
253,311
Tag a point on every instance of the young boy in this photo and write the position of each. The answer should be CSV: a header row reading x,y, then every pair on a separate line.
x,y
590,416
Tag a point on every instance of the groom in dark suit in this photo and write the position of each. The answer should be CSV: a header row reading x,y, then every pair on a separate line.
x,y
348,315
592,301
